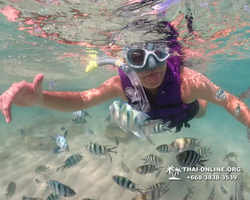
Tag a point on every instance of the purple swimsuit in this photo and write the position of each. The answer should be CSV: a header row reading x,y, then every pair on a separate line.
x,y
168,104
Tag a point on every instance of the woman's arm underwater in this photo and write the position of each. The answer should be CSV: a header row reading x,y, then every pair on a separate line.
x,y
74,101
202,88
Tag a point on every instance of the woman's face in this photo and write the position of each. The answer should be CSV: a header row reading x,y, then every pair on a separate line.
x,y
153,78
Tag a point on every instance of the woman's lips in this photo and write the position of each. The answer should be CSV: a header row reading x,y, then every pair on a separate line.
x,y
155,77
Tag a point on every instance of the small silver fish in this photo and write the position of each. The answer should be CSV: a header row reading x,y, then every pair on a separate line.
x,y
61,142
220,95
237,111
223,190
125,168
52,84
10,190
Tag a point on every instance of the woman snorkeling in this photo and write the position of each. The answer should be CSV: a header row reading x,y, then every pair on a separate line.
x,y
175,92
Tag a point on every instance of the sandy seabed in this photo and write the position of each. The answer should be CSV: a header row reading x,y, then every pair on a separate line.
x,y
92,177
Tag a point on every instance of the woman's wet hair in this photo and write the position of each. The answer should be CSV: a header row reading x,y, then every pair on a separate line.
x,y
163,31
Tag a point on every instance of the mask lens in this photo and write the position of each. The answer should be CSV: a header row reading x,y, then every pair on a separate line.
x,y
161,54
136,57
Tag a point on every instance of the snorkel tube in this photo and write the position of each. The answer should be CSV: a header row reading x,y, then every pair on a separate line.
x,y
139,92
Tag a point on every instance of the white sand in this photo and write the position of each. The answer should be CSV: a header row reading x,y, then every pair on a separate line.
x,y
92,177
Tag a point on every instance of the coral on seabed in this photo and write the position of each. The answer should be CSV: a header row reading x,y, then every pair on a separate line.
x,y
113,130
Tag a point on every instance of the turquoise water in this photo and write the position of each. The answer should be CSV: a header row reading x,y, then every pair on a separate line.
x,y
25,54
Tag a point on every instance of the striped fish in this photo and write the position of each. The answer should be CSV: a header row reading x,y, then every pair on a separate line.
x,y
81,113
157,127
223,190
79,120
90,131
10,190
152,194
61,142
60,188
125,168
53,196
211,196
145,169
164,148
126,183
98,149
204,151
71,161
183,144
153,160
156,186
189,158
132,120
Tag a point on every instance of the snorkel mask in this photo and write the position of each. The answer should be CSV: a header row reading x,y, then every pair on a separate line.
x,y
141,57
150,56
